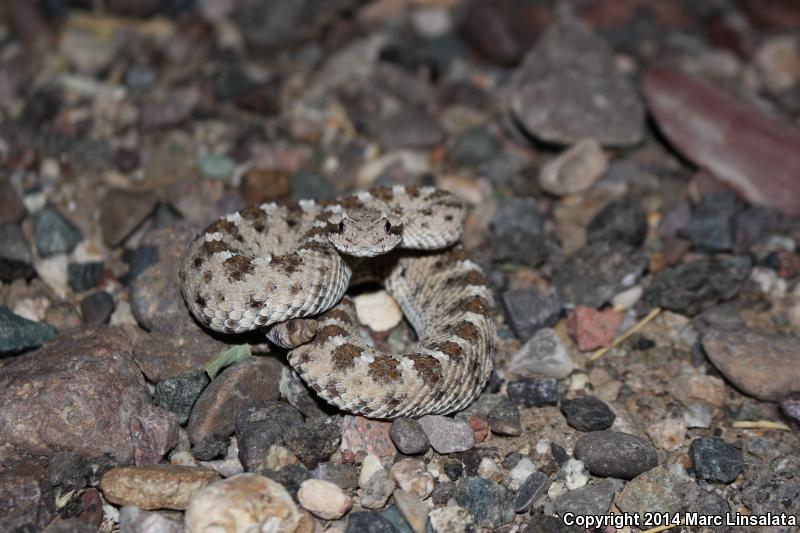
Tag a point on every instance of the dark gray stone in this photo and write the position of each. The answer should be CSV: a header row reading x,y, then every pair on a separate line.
x,y
776,489
531,490
715,460
503,419
261,426
306,184
790,406
409,437
587,414
290,476
711,503
369,522
597,272
712,226
67,470
84,276
392,514
615,454
18,333
97,308
315,441
622,221
528,310
692,287
54,234
491,505
541,523
473,147
15,254
533,392
592,499
519,232
179,394
210,448
343,475
409,129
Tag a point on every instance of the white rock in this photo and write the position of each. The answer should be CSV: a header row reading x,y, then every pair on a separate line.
x,y
431,22
698,415
544,353
378,310
575,474
324,499
369,466
413,510
627,298
521,471
450,519
412,476
135,520
668,434
488,469
575,169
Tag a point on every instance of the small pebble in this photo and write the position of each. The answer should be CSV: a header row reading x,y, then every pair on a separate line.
x,y
324,499
447,435
658,488
343,475
156,486
97,308
449,519
412,509
18,334
378,310
135,520
503,419
613,454
575,473
377,490
790,406
54,234
715,460
409,437
698,415
533,392
592,329
180,393
520,472
531,490
545,354
587,414
15,254
668,434
574,170
84,276
490,504
592,499
528,310
412,476
368,522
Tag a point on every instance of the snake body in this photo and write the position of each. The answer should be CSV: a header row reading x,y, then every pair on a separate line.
x,y
267,266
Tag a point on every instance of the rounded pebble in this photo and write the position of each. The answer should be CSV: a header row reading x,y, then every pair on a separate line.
x,y
614,454
324,499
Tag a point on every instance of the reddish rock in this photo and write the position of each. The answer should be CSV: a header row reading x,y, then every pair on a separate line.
x,y
362,436
592,329
91,508
81,392
252,380
479,426
25,498
755,154
260,185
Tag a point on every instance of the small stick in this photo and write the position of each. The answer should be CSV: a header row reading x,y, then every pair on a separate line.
x,y
660,528
636,327
761,424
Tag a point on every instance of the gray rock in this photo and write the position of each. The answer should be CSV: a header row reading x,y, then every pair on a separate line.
x,y
503,419
711,503
544,354
542,523
776,489
594,274
712,226
135,520
306,184
519,232
393,515
587,414
409,129
123,211
315,441
179,394
409,437
411,508
377,490
369,522
26,498
84,276
658,488
529,310
533,392
568,88
447,435
261,426
97,308
18,333
300,396
474,147
491,505
592,499
715,460
54,234
531,490
67,470
15,254
622,221
790,405
11,207
343,475
614,454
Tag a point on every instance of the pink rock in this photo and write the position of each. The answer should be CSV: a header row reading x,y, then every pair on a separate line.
x,y
479,426
362,436
755,154
592,329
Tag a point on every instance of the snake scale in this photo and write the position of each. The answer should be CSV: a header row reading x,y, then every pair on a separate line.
x,y
273,265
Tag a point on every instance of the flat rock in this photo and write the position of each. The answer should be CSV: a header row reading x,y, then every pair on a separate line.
x,y
54,234
122,212
261,426
369,522
155,486
533,392
362,436
178,394
715,460
534,487
775,488
447,435
324,499
26,497
491,505
18,334
614,454
82,392
529,310
574,170
239,386
658,488
592,499
587,414
568,88
763,366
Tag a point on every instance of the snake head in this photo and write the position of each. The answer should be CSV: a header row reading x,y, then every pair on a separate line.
x,y
367,232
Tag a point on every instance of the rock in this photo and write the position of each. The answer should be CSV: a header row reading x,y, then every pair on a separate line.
x,y
620,221
775,488
96,308
587,414
63,316
155,486
300,396
291,476
690,389
715,460
519,232
135,520
84,276
447,435
614,454
18,334
11,207
575,170
698,415
239,386
179,394
122,212
658,488
595,273
790,405
473,147
306,184
491,505
260,427
370,466
26,498
377,489
568,88
315,441
409,437
533,392
15,254
450,519
54,234
592,499
698,119
91,512
412,510
409,129
362,436
209,449
592,329
67,470
345,476
529,310
378,310
412,476
712,227
368,522
503,419
324,499
697,285
261,185
106,402
542,523
574,473
668,434
166,354
213,166
533,488
711,503
761,365
244,502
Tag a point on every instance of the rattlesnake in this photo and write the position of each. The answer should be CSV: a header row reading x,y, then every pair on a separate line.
x,y
269,266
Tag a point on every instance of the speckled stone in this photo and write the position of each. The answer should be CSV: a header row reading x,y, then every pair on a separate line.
x,y
614,454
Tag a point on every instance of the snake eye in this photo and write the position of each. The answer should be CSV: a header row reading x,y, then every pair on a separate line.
x,y
341,226
387,226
